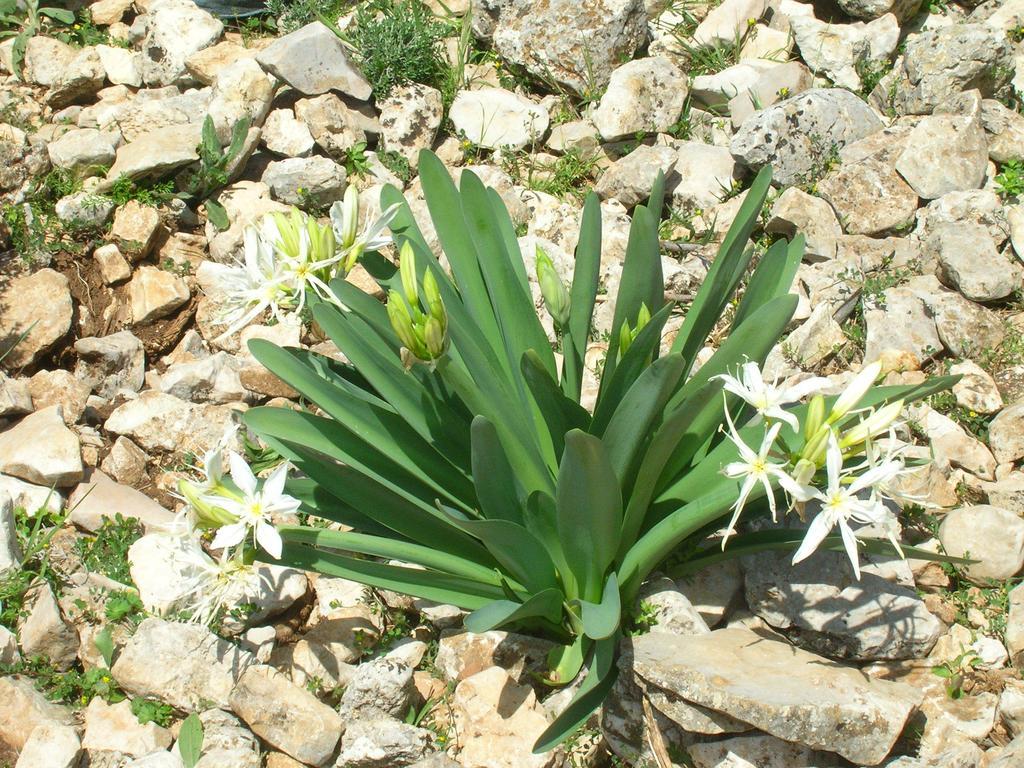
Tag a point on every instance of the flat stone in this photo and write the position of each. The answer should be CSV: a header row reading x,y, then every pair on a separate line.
x,y
114,728
284,135
313,60
1006,434
176,29
902,328
969,262
410,117
493,117
83,149
43,631
838,51
977,391
964,326
383,743
51,745
98,498
631,179
42,450
26,709
787,692
945,153
701,176
724,22
796,133
109,364
870,197
990,535
196,667
643,96
122,67
759,750
15,396
463,654
38,305
163,422
822,607
135,229
114,267
155,154
29,496
287,717
951,444
204,64
156,293
305,180
79,80
795,211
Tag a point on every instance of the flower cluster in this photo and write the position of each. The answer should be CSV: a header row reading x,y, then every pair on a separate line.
x,y
287,255
421,323
818,474
239,510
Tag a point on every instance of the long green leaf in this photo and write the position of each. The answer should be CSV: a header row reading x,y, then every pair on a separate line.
x,y
586,277
500,495
589,510
601,620
772,278
190,740
545,605
560,414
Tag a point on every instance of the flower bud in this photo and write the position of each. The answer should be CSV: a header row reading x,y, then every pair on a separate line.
x,y
407,270
401,320
434,338
435,307
875,424
207,515
556,296
855,391
815,417
349,223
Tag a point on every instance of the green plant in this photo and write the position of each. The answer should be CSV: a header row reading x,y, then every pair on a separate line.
x,y
212,171
33,535
190,740
124,605
152,711
870,72
356,162
23,21
293,14
397,164
458,458
124,189
107,550
72,687
954,670
1010,179
398,42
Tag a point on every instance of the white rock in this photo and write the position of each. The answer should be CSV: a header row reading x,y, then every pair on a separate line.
x,y
98,498
114,728
836,50
795,212
1006,434
968,261
111,363
945,153
42,450
51,745
493,118
83,149
726,22
38,306
630,179
162,422
410,117
175,30
123,67
702,175
313,60
645,95
43,631
30,497
284,135
156,293
155,153
240,90
26,709
304,180
976,390
990,535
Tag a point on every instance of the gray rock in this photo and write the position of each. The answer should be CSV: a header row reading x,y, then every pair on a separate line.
x,y
109,364
287,717
175,29
196,668
98,498
313,60
410,117
163,422
226,742
10,551
284,135
1005,129
83,149
795,211
37,306
630,179
43,631
42,450
702,175
382,686
786,692
964,327
83,76
1011,755
756,749
941,63
213,379
115,728
575,44
990,535
24,710
626,728
646,95
241,90
713,590
944,153
976,391
970,263
1015,625
839,50
796,134
493,117
51,745
870,197
674,613
901,330
84,210
15,397
824,608
304,180
873,9
1006,434
382,743
155,153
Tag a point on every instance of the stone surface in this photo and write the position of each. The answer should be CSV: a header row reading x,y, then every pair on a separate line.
x,y
990,535
155,294
383,686
175,30
313,60
493,118
82,150
574,44
945,153
969,262
869,196
42,450
498,721
111,363
98,498
822,607
631,179
786,692
241,90
901,331
463,654
38,306
305,180
795,211
26,709
163,422
135,229
1006,434
43,631
287,717
840,51
410,117
977,391
51,745
284,135
196,666
115,728
113,266
645,95
796,133
155,153
226,742
383,743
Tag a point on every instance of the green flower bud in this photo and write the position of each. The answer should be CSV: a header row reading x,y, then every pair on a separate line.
x,y
435,307
208,515
407,269
434,338
552,289
815,417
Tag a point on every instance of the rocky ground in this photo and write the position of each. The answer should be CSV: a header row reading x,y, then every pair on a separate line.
x,y
896,134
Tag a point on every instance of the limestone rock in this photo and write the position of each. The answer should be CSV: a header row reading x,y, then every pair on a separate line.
x,y
1005,129
122,67
797,132
963,325
135,229
645,95
902,328
575,44
969,262
838,50
43,631
1006,434
51,745
944,153
175,30
42,450
383,743
78,81
410,117
284,135
82,149
463,654
163,422
724,22
114,728
241,90
26,709
976,391
304,180
383,685
869,196
111,363
113,266
702,175
226,742
156,293
759,750
873,9
824,608
631,179
493,118
195,665
98,498
285,716
39,305
795,212
786,692
498,722
990,535
951,444
155,153
313,60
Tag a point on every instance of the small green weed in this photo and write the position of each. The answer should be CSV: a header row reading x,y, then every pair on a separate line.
x,y
124,605
293,14
571,174
398,42
152,711
106,552
871,72
645,617
74,687
975,423
397,164
34,534
1010,180
124,190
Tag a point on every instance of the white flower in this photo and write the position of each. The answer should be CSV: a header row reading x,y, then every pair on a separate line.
x,y
212,463
841,504
855,391
345,219
755,467
254,285
211,585
254,510
769,399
